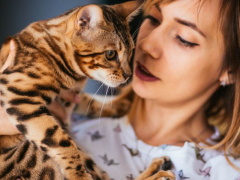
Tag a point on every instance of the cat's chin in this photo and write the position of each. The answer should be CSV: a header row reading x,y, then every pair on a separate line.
x,y
114,84
108,82
111,84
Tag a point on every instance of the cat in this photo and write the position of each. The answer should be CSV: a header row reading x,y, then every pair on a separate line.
x,y
52,57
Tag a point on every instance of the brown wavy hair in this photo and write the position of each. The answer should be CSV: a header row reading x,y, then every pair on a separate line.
x,y
223,108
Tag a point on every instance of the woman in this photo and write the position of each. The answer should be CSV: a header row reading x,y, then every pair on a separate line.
x,y
186,72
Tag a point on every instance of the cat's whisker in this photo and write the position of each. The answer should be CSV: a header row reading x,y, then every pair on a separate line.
x,y
114,88
111,89
103,103
92,99
134,36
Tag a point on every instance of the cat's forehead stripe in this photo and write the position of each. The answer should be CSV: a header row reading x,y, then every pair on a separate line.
x,y
120,46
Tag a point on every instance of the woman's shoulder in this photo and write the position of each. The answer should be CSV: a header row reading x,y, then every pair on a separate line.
x,y
215,163
218,164
196,162
218,167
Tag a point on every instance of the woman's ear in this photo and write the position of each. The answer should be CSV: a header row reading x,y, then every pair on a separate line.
x,y
226,78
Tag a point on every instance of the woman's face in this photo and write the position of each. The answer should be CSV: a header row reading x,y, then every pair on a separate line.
x,y
179,52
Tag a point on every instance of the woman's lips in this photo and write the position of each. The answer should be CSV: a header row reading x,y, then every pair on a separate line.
x,y
143,73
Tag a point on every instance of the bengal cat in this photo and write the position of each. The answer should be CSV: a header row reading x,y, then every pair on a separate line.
x,y
52,57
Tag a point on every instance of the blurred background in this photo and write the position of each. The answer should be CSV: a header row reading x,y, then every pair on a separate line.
x,y
15,15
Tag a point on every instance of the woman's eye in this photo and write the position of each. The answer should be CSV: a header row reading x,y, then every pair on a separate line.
x,y
153,20
185,43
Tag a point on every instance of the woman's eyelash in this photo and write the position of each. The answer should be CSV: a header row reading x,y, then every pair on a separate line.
x,y
152,19
180,40
185,43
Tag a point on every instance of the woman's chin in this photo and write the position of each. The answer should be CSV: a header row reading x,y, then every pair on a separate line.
x,y
141,88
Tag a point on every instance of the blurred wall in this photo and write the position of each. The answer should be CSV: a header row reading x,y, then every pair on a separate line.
x,y
17,14
114,1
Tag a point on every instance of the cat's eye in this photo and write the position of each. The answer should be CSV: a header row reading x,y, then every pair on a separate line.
x,y
111,55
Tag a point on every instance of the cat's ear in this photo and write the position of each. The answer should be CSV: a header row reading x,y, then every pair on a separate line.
x,y
88,16
7,53
129,9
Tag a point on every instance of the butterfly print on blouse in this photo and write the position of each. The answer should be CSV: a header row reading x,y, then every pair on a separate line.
x,y
133,152
163,147
95,136
181,176
117,129
108,162
238,178
199,156
205,172
130,177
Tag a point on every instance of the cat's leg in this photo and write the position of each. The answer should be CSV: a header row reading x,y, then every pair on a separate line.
x,y
68,108
26,106
93,169
152,172
28,162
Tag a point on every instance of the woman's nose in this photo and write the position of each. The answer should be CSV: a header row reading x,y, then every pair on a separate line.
x,y
150,44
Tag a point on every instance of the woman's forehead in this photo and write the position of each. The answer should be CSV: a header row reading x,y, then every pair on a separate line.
x,y
203,13
199,3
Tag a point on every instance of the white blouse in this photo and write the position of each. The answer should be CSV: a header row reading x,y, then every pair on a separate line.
x,y
114,147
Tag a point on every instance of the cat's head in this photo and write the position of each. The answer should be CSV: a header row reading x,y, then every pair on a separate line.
x,y
102,42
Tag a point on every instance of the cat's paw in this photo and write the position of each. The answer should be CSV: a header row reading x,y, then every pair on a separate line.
x,y
121,107
163,175
163,163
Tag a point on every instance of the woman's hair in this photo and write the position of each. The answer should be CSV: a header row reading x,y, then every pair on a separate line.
x,y
223,108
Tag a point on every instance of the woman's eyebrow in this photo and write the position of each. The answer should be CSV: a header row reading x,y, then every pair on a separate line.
x,y
191,25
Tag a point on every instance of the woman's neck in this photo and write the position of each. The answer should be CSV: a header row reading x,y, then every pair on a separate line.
x,y
156,125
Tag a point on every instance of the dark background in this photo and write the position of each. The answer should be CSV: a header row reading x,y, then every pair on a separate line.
x,y
15,15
